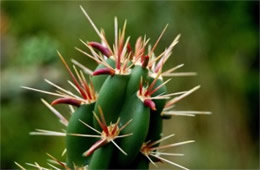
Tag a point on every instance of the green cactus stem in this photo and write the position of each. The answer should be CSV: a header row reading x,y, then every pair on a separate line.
x,y
75,144
117,116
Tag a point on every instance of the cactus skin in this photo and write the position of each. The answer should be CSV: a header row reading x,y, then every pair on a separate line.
x,y
137,73
141,162
133,109
111,98
101,159
75,145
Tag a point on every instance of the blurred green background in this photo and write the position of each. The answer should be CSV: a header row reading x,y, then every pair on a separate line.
x,y
219,41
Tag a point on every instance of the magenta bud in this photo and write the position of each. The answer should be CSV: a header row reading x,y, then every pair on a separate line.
x,y
105,51
102,71
129,48
149,103
70,101
145,61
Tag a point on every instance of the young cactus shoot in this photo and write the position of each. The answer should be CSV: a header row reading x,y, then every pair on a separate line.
x,y
117,114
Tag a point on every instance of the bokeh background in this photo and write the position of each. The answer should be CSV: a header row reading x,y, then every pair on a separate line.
x,y
219,41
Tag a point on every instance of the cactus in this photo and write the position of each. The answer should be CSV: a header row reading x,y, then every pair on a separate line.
x,y
117,118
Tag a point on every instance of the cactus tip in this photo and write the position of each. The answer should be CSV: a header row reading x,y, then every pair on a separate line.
x,y
102,71
149,103
105,51
69,101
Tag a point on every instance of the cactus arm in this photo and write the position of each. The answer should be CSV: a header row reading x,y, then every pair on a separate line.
x,y
133,109
101,158
162,90
141,162
111,98
155,128
77,145
137,73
